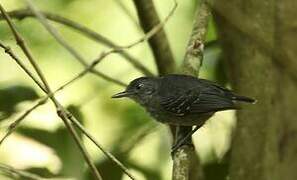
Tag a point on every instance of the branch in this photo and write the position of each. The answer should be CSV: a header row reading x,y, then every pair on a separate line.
x,y
127,12
87,69
23,13
194,54
21,64
184,158
14,125
159,44
78,76
59,38
60,109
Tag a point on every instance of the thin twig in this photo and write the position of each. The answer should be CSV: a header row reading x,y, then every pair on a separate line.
x,y
59,38
108,154
95,62
127,12
23,13
159,44
12,172
60,109
21,64
184,158
15,123
13,126
152,31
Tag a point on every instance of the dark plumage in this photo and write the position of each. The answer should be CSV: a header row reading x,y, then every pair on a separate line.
x,y
181,99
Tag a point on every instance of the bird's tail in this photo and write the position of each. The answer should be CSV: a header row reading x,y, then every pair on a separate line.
x,y
244,99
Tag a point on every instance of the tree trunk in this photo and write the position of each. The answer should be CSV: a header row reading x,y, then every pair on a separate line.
x,y
259,42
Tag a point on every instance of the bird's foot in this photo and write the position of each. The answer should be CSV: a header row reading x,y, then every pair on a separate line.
x,y
179,144
183,141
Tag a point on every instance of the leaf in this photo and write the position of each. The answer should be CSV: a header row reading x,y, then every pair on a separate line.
x,y
215,170
63,144
13,95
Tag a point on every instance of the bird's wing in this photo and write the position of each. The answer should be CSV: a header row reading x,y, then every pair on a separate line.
x,y
204,99
179,104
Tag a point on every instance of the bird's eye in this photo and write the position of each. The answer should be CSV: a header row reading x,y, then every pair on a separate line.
x,y
139,86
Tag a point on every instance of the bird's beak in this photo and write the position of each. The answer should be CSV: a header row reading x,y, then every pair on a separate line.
x,y
122,94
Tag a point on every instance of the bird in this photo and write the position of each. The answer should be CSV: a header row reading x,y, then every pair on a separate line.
x,y
181,100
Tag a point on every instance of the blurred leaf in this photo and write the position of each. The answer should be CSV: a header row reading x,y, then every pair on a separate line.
x,y
57,4
75,111
43,172
220,74
63,144
107,169
131,117
110,170
211,31
12,95
4,33
134,117
214,62
217,170
121,149
147,172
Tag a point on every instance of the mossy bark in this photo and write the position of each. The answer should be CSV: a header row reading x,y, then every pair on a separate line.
x,y
259,42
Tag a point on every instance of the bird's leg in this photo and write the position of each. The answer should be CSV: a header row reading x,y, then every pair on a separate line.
x,y
181,141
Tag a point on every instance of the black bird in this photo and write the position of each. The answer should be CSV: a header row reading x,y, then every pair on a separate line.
x,y
181,99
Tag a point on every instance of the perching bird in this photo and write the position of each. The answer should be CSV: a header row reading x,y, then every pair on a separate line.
x,y
181,99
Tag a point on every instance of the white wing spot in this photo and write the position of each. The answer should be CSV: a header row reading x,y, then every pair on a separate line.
x,y
196,100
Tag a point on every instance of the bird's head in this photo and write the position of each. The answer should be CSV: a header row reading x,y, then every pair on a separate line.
x,y
140,89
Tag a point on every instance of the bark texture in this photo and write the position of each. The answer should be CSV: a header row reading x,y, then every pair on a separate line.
x,y
259,41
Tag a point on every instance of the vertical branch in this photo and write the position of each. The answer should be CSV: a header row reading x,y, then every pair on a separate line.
x,y
159,44
160,47
184,158
62,112
194,53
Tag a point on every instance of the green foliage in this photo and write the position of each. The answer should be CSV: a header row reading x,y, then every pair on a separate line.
x,y
43,172
220,73
12,95
130,117
63,145
134,117
216,169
